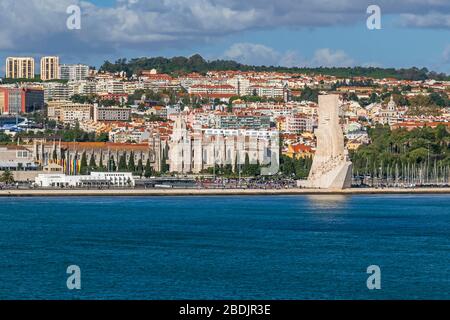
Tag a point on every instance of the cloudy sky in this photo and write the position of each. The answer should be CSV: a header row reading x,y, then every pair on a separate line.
x,y
281,32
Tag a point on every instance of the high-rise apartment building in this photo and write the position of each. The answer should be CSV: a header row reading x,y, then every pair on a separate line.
x,y
20,67
73,72
49,68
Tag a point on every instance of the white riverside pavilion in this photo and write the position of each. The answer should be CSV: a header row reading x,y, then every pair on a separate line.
x,y
95,179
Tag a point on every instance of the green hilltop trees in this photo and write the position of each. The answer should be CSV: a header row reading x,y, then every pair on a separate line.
x,y
196,63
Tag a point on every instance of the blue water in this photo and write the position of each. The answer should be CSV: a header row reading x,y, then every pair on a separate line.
x,y
292,247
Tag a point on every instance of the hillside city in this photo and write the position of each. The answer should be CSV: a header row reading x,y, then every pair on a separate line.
x,y
126,125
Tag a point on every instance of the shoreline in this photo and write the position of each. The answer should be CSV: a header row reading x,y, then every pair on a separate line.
x,y
213,192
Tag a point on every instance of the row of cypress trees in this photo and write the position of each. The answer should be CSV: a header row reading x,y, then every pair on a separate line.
x,y
123,166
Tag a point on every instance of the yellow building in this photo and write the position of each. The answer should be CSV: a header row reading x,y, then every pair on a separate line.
x,y
49,68
353,145
69,112
20,67
281,124
2,102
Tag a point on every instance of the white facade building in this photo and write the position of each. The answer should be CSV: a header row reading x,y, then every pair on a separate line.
x,y
200,149
114,179
73,71
111,114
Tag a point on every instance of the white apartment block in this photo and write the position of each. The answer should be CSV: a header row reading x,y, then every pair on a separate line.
x,y
121,135
74,72
111,114
297,123
56,91
265,91
68,112
82,87
110,86
241,84
201,89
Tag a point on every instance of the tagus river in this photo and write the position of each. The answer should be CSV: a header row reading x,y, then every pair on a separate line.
x,y
260,247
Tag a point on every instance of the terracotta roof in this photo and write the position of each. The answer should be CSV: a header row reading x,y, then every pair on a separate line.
x,y
301,148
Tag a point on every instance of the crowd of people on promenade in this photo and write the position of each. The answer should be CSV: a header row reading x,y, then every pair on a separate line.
x,y
247,183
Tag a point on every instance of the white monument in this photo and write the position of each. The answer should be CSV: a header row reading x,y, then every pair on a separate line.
x,y
331,168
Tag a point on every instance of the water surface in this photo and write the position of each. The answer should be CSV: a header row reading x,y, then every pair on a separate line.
x,y
261,247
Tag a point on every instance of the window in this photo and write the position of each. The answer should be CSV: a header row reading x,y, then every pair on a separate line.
x,y
22,154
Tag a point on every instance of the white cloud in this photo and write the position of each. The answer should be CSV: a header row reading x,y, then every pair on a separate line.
x,y
372,64
431,20
258,54
250,53
446,55
329,58
39,26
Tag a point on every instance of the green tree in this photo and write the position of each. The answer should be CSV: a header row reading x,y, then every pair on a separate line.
x,y
100,162
83,164
123,163
140,167
102,137
92,164
164,165
148,171
112,164
131,163
7,177
4,138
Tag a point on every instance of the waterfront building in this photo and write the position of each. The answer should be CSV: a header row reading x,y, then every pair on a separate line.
x,y
15,157
95,179
199,149
20,67
49,68
105,154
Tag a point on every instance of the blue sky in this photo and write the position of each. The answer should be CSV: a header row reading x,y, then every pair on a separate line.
x,y
283,32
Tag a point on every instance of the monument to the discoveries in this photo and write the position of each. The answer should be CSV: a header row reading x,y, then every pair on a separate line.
x,y
331,168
